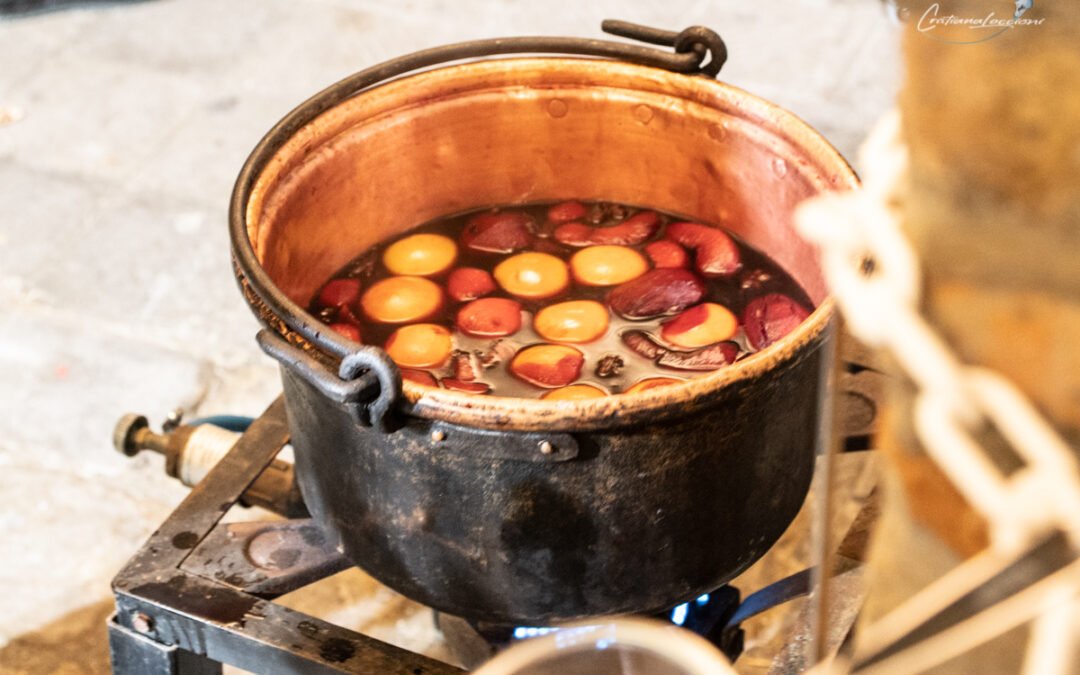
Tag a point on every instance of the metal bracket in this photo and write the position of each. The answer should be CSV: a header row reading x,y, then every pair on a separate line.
x,y
519,446
133,652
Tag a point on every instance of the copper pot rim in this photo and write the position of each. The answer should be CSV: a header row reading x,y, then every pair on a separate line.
x,y
515,413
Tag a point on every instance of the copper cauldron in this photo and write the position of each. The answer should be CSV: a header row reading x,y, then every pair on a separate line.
x,y
526,511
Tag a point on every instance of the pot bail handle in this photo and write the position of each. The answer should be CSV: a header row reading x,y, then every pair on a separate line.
x,y
367,383
700,40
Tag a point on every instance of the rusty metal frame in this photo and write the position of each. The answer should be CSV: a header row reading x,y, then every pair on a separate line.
x,y
172,620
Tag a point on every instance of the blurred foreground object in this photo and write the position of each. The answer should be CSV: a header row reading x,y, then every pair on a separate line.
x,y
994,214
627,646
991,209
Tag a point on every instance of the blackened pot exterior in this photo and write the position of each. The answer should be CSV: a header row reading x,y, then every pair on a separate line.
x,y
642,518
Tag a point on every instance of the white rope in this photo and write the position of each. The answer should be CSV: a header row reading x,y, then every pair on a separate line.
x,y
873,273
1053,644
953,402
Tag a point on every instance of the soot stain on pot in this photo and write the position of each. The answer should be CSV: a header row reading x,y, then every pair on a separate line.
x,y
312,536
551,530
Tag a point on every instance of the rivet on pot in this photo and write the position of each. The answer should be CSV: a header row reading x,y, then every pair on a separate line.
x,y
557,107
779,167
546,448
718,132
438,435
643,113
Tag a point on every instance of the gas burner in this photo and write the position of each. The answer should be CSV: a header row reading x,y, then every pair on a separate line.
x,y
709,615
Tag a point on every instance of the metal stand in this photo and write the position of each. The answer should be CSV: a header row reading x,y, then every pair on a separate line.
x,y
200,593
188,602
135,653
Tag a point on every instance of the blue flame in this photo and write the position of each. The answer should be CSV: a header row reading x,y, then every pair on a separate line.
x,y
678,615
523,632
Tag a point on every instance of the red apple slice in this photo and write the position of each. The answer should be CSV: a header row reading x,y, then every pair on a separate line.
x,y
422,377
466,387
566,211
665,254
703,359
771,317
715,253
346,315
548,366
501,232
469,283
347,329
635,230
339,292
490,317
656,293
642,344
707,358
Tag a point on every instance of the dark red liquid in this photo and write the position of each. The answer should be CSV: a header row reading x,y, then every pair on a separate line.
x,y
765,300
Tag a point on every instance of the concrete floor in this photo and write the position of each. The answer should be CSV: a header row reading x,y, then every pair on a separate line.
x,y
122,127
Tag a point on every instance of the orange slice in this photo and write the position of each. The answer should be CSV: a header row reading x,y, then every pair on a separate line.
x,y
607,265
651,383
573,321
420,345
402,300
532,275
421,255
700,326
575,392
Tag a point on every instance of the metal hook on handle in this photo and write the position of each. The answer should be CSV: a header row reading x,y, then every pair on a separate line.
x,y
698,39
372,361
367,383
